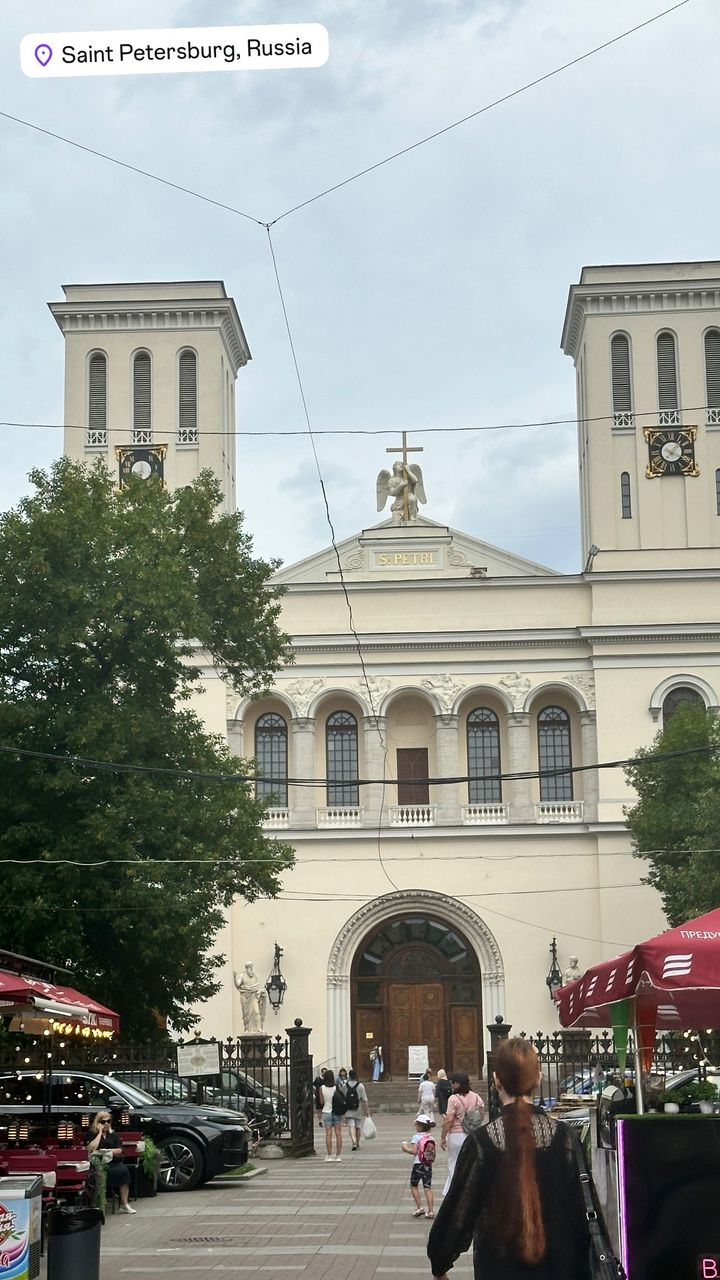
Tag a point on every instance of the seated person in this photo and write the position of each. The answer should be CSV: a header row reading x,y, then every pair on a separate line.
x,y
102,1138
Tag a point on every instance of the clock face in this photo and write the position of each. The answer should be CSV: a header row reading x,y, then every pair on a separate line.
x,y
144,464
671,453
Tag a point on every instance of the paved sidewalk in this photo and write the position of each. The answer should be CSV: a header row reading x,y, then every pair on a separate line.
x,y
304,1218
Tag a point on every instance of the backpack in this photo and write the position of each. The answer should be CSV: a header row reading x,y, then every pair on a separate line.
x,y
339,1103
426,1150
473,1120
352,1098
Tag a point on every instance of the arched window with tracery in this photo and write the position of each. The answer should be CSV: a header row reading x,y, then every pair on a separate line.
x,y
483,751
681,696
554,754
271,754
341,749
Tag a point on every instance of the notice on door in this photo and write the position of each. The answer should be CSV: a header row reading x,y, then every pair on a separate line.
x,y
418,1060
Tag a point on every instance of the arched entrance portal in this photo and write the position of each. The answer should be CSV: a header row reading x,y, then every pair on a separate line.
x,y
416,980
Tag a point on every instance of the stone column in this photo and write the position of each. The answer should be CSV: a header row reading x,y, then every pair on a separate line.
x,y
446,795
303,800
589,750
373,762
339,1034
520,789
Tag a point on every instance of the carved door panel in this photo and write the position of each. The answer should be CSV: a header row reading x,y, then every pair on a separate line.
x,y
369,1031
401,1015
465,1041
416,1017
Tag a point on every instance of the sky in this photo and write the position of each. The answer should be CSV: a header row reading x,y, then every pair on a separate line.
x,y
429,293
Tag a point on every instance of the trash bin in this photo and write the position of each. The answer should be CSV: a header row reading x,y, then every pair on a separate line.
x,y
74,1244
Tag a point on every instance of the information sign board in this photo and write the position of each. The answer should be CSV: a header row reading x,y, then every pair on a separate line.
x,y
198,1059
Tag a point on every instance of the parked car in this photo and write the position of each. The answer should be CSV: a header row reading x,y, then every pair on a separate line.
x,y
266,1110
196,1142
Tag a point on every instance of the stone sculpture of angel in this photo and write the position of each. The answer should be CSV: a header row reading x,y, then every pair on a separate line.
x,y
404,484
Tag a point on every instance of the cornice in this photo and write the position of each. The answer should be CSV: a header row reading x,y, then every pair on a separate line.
x,y
133,316
633,299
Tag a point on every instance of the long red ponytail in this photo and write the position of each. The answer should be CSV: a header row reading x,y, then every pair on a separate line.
x,y
515,1217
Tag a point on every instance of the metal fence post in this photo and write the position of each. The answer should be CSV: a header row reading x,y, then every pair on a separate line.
x,y
300,1101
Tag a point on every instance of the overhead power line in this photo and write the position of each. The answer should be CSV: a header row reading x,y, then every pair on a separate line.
x,y
438,133
361,431
91,765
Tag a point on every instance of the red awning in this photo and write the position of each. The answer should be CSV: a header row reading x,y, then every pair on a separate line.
x,y
674,979
62,1004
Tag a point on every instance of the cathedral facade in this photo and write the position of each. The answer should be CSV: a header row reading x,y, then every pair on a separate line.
x,y
437,781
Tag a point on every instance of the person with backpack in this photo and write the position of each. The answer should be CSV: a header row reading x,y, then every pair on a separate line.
x,y
422,1147
333,1111
357,1103
465,1112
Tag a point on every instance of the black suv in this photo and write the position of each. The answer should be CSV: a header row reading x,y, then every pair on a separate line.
x,y
266,1110
196,1142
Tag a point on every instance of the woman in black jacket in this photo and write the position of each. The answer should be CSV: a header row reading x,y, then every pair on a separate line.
x,y
516,1189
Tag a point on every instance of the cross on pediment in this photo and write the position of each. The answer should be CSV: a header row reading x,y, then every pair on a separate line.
x,y
405,449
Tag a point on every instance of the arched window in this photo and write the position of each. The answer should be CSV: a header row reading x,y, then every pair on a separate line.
x,y
187,399
712,374
668,403
677,698
271,753
97,399
483,749
625,495
554,753
142,399
621,383
341,743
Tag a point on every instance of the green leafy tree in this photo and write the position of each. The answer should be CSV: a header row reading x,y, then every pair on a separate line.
x,y
675,824
109,602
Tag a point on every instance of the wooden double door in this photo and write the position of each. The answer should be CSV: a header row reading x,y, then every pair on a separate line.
x,y
419,1013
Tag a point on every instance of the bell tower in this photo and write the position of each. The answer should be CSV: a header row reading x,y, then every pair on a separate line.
x,y
645,341
150,374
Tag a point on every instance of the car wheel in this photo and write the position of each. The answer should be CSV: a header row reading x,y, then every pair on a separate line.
x,y
182,1166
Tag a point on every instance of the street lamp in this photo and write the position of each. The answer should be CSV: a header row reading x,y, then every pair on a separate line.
x,y
554,979
276,986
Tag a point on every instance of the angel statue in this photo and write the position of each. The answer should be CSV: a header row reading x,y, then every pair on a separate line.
x,y
253,1000
405,485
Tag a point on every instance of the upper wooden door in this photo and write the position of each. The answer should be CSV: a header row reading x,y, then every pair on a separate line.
x,y
412,772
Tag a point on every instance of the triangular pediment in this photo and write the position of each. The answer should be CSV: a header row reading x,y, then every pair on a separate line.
x,y
424,550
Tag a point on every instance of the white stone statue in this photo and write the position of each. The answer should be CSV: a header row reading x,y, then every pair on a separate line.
x,y
405,485
253,1000
572,972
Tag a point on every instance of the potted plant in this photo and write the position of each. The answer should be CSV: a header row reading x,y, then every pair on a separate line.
x,y
148,1170
689,1095
97,1183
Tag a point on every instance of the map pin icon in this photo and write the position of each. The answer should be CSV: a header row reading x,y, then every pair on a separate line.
x,y
43,53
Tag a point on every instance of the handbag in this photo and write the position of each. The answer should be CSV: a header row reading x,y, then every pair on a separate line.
x,y
603,1263
368,1128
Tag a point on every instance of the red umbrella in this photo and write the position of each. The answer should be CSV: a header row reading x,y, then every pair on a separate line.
x,y
64,1005
674,980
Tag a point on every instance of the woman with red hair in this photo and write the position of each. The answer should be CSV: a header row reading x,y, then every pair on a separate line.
x,y
516,1188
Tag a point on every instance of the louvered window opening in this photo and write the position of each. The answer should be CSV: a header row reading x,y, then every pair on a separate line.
x,y
97,401
187,408
341,740
717,492
142,399
554,754
712,375
271,754
625,503
667,379
621,385
483,748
